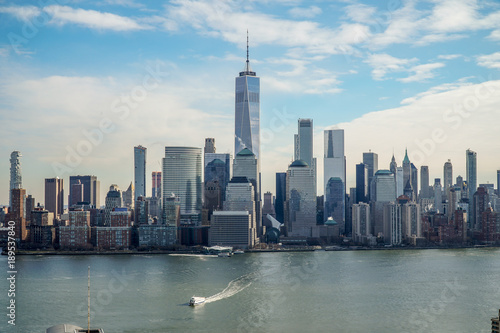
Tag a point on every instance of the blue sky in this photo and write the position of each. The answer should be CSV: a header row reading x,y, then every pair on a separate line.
x,y
100,77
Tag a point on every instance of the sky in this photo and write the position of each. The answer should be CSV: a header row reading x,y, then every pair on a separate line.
x,y
83,82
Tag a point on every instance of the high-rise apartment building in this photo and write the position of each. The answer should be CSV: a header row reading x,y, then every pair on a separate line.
x,y
182,177
17,214
447,176
471,177
371,161
247,111
361,221
16,180
139,172
54,196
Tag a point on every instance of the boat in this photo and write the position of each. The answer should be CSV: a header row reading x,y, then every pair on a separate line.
x,y
238,252
196,300
224,254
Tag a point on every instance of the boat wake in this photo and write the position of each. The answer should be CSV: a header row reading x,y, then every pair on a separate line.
x,y
232,288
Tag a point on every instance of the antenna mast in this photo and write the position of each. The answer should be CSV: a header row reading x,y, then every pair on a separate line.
x,y
88,302
247,52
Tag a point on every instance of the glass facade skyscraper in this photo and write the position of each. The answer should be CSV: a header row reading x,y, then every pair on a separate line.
x,y
471,170
139,172
182,177
247,111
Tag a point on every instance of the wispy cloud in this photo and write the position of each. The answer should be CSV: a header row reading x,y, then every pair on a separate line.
x,y
383,64
449,56
93,19
422,72
301,12
23,13
490,60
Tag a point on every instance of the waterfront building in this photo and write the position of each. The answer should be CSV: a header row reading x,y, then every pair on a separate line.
x,y
301,200
91,189
217,170
424,182
361,228
383,192
495,324
371,160
156,184
139,172
232,228
411,220
54,195
182,176
471,177
117,235
29,208
171,211
76,234
17,214
334,162
247,111
157,235
393,224
480,201
42,232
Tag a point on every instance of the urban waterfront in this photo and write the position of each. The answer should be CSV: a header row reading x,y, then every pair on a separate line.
x,y
354,291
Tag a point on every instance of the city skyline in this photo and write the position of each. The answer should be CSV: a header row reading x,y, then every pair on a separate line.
x,y
432,90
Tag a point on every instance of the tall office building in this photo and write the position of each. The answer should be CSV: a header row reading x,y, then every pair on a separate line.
x,y
209,146
447,176
400,186
406,169
113,200
16,180
247,111
91,189
335,203
54,196
156,184
424,181
301,200
334,162
481,200
371,160
471,174
361,221
383,191
139,172
182,176
279,204
438,196
304,141
361,183
414,181
394,165
498,182
76,191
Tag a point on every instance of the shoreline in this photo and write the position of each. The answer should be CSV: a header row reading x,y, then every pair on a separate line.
x,y
309,249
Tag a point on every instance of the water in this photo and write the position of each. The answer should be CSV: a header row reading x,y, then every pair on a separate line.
x,y
362,291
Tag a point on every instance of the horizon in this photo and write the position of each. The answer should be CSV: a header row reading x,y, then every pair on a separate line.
x,y
393,75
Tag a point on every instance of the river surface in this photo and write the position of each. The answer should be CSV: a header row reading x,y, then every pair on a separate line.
x,y
352,291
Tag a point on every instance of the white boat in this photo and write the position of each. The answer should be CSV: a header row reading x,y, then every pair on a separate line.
x,y
196,300
239,252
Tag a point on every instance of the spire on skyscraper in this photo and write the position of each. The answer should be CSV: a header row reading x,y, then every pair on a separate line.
x,y
248,69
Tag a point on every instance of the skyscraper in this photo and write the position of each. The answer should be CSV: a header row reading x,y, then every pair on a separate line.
x,y
139,172
424,181
91,189
471,174
247,111
438,196
217,168
335,202
371,161
304,141
279,205
16,180
406,169
498,182
182,176
334,161
209,145
414,180
447,176
17,214
361,183
156,184
54,196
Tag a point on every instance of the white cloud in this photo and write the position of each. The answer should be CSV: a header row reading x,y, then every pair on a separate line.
x,y
490,60
300,12
422,72
449,56
23,13
360,13
383,64
495,35
93,19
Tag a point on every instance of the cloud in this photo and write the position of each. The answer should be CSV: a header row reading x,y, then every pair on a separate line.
x,y
449,56
360,13
300,12
383,64
495,35
93,19
23,13
422,72
490,60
